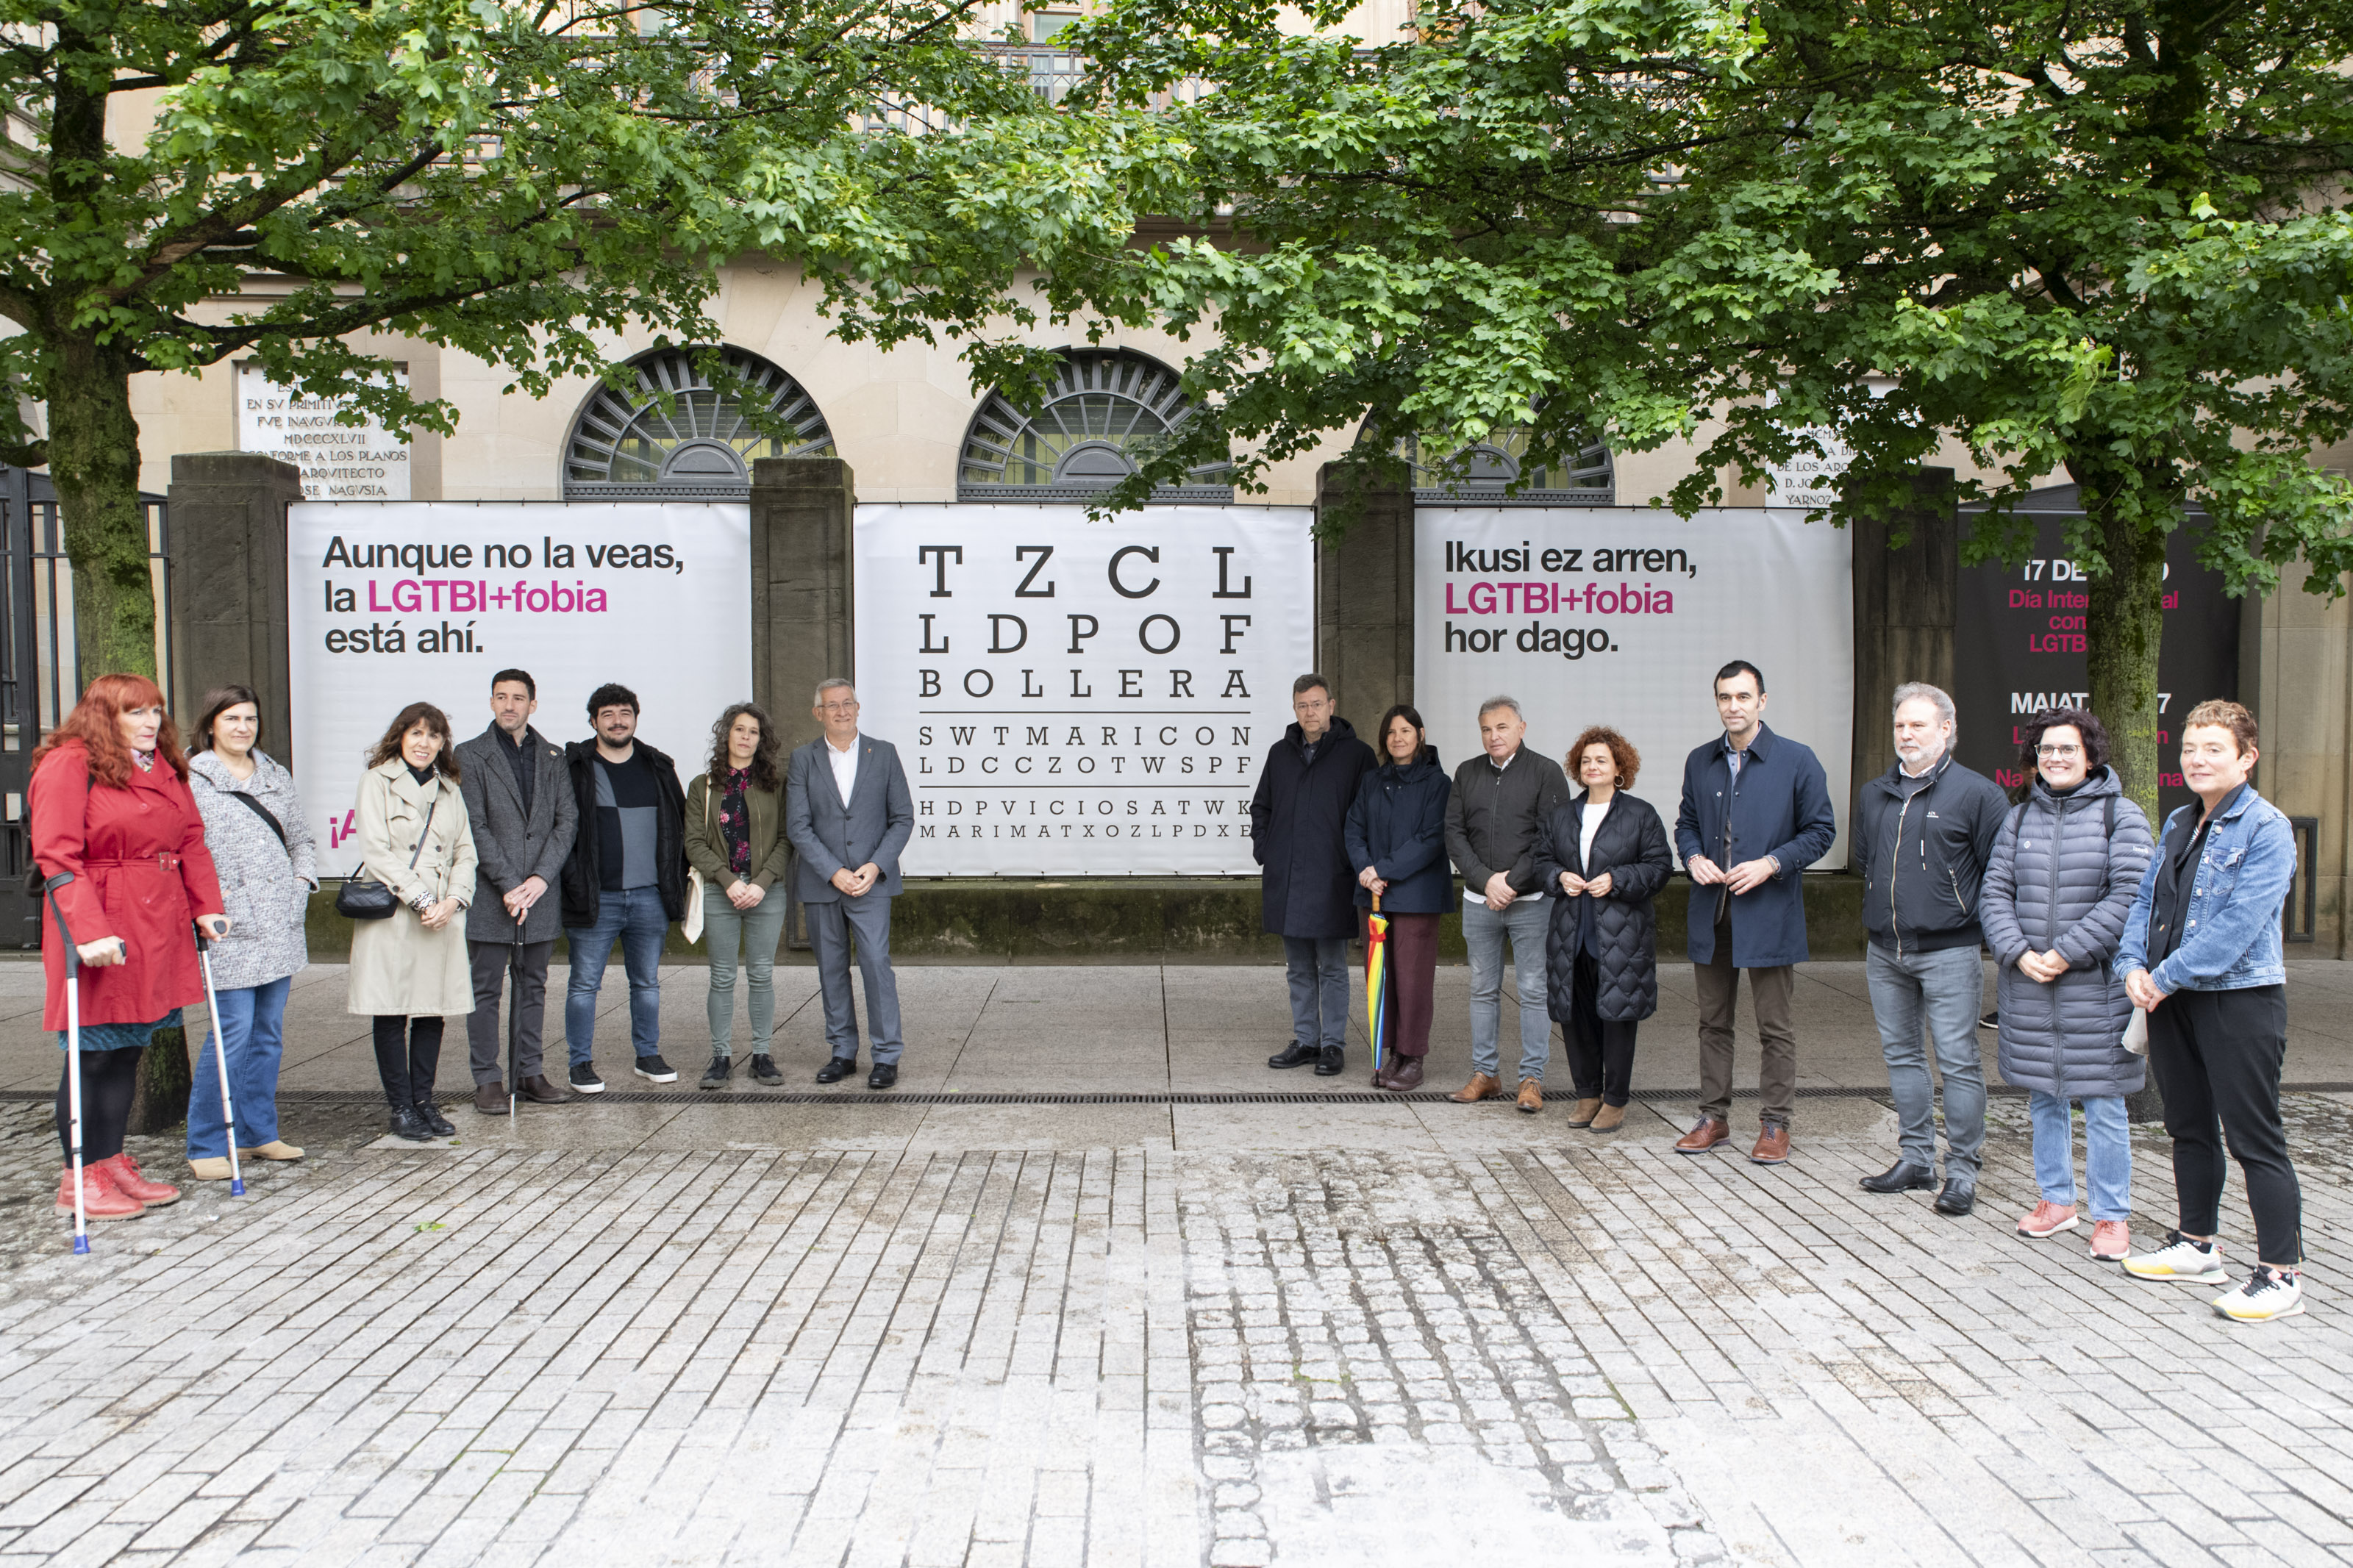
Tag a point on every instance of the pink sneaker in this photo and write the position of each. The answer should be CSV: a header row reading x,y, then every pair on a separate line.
x,y
2111,1239
2048,1219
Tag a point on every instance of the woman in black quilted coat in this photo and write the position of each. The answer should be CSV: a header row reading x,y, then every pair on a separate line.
x,y
1606,853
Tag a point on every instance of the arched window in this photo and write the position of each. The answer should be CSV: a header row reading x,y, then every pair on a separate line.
x,y
1489,468
624,444
1108,411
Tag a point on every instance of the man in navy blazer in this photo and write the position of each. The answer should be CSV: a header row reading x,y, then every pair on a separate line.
x,y
1755,811
848,812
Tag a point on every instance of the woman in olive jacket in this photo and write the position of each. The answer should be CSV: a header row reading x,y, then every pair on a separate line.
x,y
1396,837
734,836
1607,852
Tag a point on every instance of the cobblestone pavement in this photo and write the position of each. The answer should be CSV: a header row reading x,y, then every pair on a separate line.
x,y
1587,1349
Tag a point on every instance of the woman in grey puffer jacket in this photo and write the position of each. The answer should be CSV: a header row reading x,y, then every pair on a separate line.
x,y
2061,879
268,865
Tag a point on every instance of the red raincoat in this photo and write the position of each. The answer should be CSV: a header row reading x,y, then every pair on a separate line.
x,y
140,871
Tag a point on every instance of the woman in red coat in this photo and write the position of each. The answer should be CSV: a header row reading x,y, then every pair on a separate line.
x,y
112,810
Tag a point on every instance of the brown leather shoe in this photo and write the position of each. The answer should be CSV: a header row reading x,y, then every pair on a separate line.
x,y
1705,1135
490,1098
1608,1118
1772,1144
1531,1096
1581,1114
539,1091
1404,1073
1481,1087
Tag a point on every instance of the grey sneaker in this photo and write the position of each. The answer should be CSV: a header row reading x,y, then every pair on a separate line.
x,y
655,1071
716,1075
2179,1258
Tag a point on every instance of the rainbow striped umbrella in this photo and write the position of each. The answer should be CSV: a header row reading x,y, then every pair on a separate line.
x,y
1377,977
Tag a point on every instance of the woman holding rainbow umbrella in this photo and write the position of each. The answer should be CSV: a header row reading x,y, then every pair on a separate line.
x,y
1397,839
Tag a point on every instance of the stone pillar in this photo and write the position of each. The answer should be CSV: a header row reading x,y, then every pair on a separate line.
x,y
2295,673
1363,598
228,553
1905,598
801,572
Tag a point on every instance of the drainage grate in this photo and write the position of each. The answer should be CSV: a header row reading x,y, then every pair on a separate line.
x,y
942,1097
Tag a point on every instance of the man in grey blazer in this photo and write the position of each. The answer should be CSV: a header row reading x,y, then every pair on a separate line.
x,y
848,812
518,796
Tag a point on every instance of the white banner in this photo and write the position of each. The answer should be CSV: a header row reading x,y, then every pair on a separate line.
x,y
338,462
1621,616
1081,698
425,601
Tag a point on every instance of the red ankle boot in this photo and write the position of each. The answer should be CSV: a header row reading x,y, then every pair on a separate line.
x,y
123,1171
100,1198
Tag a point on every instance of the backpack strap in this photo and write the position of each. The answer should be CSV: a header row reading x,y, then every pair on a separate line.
x,y
2108,813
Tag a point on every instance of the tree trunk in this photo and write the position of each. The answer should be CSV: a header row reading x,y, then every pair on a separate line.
x,y
2124,630
94,462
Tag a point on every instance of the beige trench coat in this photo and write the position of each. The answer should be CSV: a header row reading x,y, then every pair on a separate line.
x,y
398,966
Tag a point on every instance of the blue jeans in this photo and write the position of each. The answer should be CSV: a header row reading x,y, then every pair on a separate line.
x,y
253,1021
2107,1152
636,918
1483,931
1940,991
756,931
1317,968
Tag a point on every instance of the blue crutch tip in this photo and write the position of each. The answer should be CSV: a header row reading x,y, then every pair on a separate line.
x,y
237,1188
81,1247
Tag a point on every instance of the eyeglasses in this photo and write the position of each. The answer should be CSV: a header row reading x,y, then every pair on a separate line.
x,y
2048,753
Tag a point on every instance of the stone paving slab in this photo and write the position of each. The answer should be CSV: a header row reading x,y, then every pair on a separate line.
x,y
713,1339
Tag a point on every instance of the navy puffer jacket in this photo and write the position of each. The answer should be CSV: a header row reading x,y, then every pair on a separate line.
x,y
1632,846
2058,878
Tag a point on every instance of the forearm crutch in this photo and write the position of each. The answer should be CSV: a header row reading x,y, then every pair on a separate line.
x,y
220,1056
73,1056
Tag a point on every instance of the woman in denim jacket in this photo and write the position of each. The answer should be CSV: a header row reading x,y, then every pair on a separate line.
x,y
2201,956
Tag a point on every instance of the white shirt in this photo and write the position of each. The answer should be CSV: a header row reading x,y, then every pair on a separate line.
x,y
1592,826
845,768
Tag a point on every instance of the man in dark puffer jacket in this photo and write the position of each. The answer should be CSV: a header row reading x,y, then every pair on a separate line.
x,y
1922,832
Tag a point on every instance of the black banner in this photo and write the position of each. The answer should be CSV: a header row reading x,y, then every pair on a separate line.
x,y
2019,646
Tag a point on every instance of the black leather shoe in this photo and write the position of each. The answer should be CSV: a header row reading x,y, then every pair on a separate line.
x,y
1959,1198
410,1127
837,1069
884,1075
1333,1062
430,1114
1903,1176
1294,1055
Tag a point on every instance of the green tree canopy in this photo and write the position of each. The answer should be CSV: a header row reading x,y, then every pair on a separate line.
x,y
188,180
2095,237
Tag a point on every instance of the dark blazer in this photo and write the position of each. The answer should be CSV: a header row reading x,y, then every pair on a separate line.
x,y
1632,846
1298,831
1781,809
830,836
584,874
509,846
1398,827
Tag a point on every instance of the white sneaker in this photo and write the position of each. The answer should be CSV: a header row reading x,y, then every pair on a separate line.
x,y
2265,1296
2180,1259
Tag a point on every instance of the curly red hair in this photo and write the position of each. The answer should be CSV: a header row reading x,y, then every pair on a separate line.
x,y
96,725
1628,760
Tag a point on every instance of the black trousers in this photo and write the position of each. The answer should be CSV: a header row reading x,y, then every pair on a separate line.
x,y
1601,1051
2217,1056
408,1055
109,1079
486,1047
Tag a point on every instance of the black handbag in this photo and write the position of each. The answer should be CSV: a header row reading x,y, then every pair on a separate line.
x,y
365,898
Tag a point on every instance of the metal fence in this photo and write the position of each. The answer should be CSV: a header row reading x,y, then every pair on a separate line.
x,y
41,675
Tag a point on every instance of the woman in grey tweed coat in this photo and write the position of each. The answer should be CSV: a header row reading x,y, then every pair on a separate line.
x,y
269,866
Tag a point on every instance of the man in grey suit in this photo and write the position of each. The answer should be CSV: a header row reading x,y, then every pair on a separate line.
x,y
518,796
848,811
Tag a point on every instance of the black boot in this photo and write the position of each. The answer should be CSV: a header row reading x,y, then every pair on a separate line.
x,y
406,1124
1331,1062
